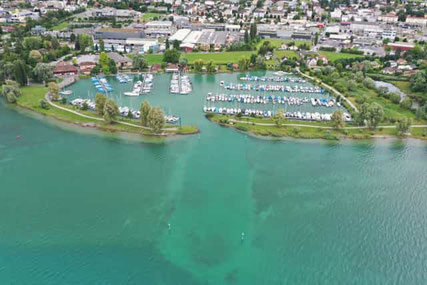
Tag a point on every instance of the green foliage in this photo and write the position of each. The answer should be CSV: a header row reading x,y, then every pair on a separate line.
x,y
11,98
406,103
54,90
156,119
171,56
43,104
395,98
144,111
244,63
100,100
198,65
42,72
139,62
110,111
372,114
10,87
403,125
337,119
20,73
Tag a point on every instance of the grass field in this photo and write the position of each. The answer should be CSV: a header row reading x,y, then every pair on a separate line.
x,y
288,53
332,56
217,58
149,16
278,42
405,87
60,26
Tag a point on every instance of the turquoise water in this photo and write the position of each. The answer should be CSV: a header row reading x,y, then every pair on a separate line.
x,y
87,209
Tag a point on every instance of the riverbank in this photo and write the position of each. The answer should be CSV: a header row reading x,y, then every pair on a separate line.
x,y
32,95
310,130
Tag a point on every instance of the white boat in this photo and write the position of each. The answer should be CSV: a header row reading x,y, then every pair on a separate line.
x,y
66,92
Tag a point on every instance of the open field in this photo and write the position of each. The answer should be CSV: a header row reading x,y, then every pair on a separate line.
x,y
61,26
217,58
278,42
332,56
149,16
288,53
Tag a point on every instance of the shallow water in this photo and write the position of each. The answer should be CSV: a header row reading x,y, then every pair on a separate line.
x,y
83,209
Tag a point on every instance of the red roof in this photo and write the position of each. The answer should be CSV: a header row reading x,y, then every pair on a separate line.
x,y
65,67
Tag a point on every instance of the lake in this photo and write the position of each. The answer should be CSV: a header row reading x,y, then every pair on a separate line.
x,y
81,208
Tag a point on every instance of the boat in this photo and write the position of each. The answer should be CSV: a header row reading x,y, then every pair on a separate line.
x,y
66,92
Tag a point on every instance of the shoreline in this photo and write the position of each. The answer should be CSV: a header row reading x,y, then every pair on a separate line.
x,y
99,131
318,132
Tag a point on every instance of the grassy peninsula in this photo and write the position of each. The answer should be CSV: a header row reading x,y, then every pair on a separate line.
x,y
31,96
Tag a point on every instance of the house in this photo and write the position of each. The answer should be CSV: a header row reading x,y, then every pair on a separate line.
x,y
170,67
122,62
401,46
156,67
118,34
86,67
65,68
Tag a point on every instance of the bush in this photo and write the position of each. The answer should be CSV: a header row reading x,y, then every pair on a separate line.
x,y
209,115
44,104
360,99
406,103
395,98
242,128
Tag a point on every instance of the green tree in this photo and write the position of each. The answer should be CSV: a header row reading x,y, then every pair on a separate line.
x,y
210,67
406,103
176,44
43,104
279,117
167,44
144,111
10,86
395,98
244,63
156,119
139,63
112,66
375,115
20,72
54,90
198,65
110,111
359,76
100,100
11,98
35,56
101,44
260,62
171,56
403,125
42,72
337,119
183,62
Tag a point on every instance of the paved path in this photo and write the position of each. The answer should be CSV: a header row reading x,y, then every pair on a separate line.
x,y
318,127
328,87
96,118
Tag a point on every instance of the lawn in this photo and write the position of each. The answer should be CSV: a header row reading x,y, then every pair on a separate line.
x,y
149,16
60,26
278,42
405,87
332,56
217,58
288,53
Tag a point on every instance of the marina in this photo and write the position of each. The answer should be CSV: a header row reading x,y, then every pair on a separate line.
x,y
101,84
180,84
124,111
142,87
271,88
272,79
250,99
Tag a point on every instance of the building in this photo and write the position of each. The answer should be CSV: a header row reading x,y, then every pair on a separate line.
x,y
416,21
122,62
86,67
401,46
159,29
65,68
389,34
388,18
118,34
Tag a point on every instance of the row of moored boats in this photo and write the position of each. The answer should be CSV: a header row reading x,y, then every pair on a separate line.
x,y
124,111
142,87
315,116
101,84
123,78
271,88
180,84
272,79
